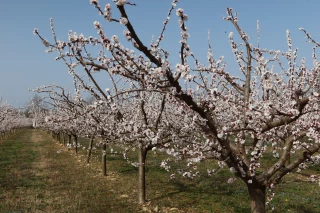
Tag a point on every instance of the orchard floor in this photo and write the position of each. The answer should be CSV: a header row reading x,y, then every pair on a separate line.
x,y
35,178
38,174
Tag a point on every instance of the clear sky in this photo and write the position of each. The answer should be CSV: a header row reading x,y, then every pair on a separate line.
x,y
24,63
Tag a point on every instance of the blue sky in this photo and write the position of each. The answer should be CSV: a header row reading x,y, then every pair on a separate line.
x,y
24,63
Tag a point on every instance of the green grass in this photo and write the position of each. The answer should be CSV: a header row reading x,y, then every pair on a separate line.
x,y
53,182
212,194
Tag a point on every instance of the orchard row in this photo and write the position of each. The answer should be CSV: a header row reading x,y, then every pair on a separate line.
x,y
195,110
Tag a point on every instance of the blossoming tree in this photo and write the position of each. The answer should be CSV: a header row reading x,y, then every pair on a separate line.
x,y
272,107
129,118
11,119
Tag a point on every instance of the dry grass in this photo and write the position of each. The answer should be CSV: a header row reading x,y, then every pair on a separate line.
x,y
35,178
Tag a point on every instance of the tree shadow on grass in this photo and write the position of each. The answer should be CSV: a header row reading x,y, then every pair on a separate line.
x,y
204,193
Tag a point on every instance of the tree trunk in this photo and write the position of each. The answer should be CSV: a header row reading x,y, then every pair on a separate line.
x,y
90,148
142,175
64,139
69,142
76,143
288,159
104,160
257,194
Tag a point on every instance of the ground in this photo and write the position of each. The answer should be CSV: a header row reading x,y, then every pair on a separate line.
x,y
35,178
37,174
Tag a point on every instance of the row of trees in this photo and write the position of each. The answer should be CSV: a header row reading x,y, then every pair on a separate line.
x,y
11,119
141,121
192,110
